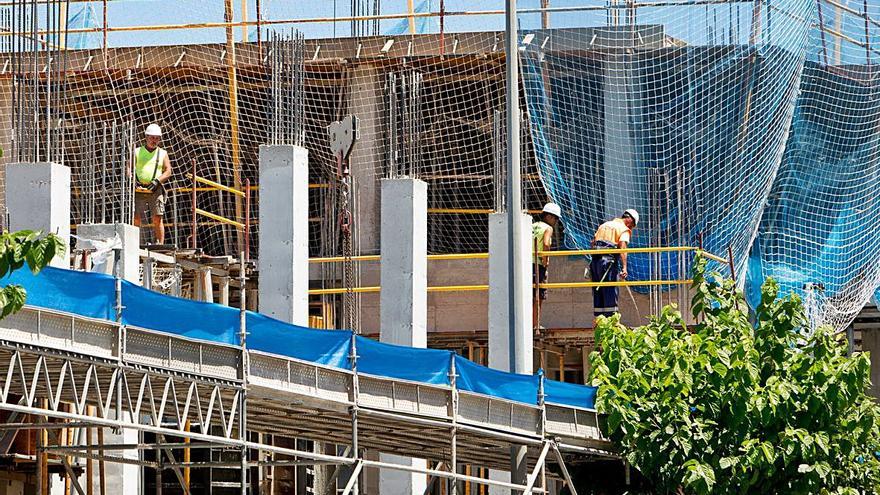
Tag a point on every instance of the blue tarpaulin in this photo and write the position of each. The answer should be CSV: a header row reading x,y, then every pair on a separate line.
x,y
93,295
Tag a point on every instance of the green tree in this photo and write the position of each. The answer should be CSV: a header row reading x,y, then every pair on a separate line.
x,y
733,406
18,248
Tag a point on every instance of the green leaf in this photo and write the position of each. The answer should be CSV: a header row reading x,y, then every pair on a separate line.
x,y
767,450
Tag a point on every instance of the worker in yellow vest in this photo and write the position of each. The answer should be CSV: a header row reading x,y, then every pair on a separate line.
x,y
152,169
613,234
542,240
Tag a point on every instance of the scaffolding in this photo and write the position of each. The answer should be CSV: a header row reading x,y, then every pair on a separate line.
x,y
68,372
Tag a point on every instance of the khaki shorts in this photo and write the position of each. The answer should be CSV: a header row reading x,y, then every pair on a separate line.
x,y
150,204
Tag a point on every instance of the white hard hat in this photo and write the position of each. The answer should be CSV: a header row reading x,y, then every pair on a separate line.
x,y
553,209
634,214
153,130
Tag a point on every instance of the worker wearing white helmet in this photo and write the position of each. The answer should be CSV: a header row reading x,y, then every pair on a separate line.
x,y
613,234
542,240
152,169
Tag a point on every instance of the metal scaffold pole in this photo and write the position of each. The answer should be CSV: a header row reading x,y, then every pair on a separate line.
x,y
242,336
514,210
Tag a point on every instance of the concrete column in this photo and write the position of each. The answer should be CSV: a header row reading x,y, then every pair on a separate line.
x,y
404,296
284,233
404,232
102,237
501,332
38,198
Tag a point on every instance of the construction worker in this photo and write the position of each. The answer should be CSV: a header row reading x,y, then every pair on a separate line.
x,y
152,169
542,239
614,234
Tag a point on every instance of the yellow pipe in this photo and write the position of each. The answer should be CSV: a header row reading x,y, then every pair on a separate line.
x,y
590,252
232,96
577,252
467,288
412,20
216,185
458,288
340,259
712,257
342,290
460,211
205,189
459,256
395,16
219,218
618,283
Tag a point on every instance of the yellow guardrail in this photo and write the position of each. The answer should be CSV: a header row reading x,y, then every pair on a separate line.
x,y
216,185
552,285
218,218
576,252
469,288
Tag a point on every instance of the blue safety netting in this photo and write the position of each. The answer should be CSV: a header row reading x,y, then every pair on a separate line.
x,y
92,295
821,220
686,135
756,132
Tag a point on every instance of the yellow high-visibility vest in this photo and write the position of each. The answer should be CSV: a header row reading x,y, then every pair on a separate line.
x,y
538,229
148,164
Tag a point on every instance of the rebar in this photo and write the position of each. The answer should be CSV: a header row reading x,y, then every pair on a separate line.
x,y
405,122
286,105
38,91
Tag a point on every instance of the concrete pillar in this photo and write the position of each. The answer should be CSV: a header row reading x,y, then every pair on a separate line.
x,y
284,233
404,296
100,238
500,325
500,331
38,198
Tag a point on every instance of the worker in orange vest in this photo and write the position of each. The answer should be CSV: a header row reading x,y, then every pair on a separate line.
x,y
613,234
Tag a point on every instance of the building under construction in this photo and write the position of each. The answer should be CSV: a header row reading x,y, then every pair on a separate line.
x,y
357,186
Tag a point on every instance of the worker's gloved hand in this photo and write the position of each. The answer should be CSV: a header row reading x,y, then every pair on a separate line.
x,y
154,185
623,273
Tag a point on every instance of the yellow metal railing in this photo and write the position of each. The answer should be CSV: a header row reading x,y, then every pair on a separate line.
x,y
219,218
552,285
217,185
244,191
575,252
483,287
